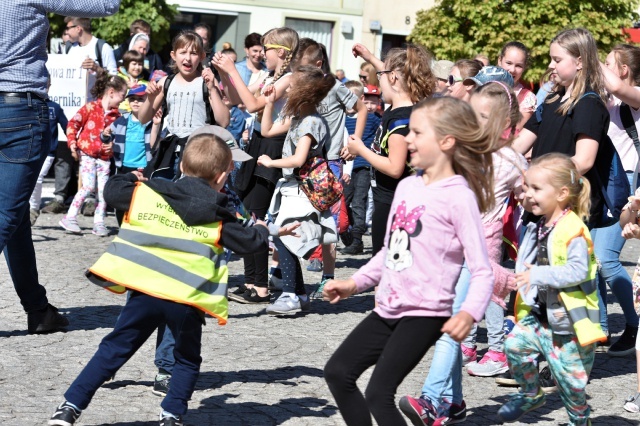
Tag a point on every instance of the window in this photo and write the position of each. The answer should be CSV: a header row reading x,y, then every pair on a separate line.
x,y
320,31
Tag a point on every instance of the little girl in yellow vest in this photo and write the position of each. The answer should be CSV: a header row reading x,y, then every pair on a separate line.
x,y
556,304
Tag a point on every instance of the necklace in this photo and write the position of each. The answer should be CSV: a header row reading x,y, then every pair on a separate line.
x,y
542,235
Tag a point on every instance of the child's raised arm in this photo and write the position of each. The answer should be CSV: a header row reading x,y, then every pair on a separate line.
x,y
626,93
153,103
267,126
220,110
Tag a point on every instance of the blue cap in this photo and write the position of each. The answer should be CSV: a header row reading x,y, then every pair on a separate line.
x,y
491,73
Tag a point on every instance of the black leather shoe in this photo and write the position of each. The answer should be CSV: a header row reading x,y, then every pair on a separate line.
x,y
46,320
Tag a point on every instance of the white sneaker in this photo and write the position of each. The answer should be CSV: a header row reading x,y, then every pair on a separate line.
x,y
100,230
285,305
70,225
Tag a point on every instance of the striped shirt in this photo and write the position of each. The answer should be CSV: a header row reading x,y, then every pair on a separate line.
x,y
23,38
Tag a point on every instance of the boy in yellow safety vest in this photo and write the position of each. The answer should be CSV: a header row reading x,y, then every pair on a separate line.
x,y
169,254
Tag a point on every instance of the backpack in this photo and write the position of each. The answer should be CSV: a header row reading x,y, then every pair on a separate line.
x,y
99,45
164,157
615,187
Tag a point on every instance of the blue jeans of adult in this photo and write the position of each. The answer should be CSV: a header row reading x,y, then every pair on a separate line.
x,y
139,319
607,244
444,381
25,141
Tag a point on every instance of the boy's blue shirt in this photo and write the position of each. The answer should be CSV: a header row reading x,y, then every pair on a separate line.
x,y
369,133
56,116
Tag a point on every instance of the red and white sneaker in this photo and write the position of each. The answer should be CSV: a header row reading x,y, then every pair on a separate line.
x,y
420,411
468,354
455,414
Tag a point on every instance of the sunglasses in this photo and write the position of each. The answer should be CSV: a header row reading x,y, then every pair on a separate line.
x,y
71,26
136,99
453,80
363,77
379,73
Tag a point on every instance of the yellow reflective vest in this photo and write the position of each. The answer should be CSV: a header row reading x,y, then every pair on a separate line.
x,y
156,253
581,300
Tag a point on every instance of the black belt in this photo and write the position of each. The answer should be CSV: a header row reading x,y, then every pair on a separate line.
x,y
22,95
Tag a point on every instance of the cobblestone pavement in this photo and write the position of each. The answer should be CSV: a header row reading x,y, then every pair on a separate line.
x,y
257,370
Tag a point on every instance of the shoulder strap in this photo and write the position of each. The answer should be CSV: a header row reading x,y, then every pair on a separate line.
x,y
67,46
99,45
632,131
207,104
398,124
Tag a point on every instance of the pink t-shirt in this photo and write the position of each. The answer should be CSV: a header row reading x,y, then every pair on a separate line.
x,y
432,229
508,174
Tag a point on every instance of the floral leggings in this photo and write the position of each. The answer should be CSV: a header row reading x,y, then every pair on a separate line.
x,y
91,170
569,363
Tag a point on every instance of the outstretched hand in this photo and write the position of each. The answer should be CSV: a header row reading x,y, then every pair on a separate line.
x,y
335,290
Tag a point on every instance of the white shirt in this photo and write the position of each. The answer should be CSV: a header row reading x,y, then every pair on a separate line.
x,y
79,53
621,140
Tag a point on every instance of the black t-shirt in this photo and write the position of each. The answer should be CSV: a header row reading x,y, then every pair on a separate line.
x,y
398,119
559,133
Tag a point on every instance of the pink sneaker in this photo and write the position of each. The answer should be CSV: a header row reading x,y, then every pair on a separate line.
x,y
492,363
468,354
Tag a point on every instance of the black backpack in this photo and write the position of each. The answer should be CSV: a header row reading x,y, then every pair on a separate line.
x,y
164,157
99,45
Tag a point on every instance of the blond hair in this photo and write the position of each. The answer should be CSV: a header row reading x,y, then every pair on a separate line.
x,y
283,36
579,43
356,87
206,156
563,173
504,106
473,143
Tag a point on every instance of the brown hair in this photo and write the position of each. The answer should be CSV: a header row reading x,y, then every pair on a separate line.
x,y
185,39
579,43
131,56
140,26
473,144
412,63
282,36
356,87
563,173
516,45
468,67
206,156
628,55
311,51
84,23
310,86
504,105
106,81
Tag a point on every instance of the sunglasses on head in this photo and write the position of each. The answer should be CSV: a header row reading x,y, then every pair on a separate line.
x,y
453,80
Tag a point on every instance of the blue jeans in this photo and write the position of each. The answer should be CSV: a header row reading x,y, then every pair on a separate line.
x,y
356,195
139,318
165,344
25,141
444,381
608,243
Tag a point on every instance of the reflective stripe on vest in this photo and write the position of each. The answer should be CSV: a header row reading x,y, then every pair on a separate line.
x,y
580,301
156,253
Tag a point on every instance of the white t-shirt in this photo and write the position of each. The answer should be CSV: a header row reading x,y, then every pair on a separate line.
x,y
186,107
79,53
621,140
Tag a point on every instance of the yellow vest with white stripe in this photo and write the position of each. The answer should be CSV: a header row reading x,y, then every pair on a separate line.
x,y
156,253
580,301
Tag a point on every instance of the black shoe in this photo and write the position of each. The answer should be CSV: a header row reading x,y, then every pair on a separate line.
x,y
357,247
347,238
89,208
167,420
54,207
251,297
239,290
546,381
65,415
626,344
161,384
46,320
506,379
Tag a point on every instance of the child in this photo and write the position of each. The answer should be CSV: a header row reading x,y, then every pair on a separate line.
x,y
557,303
83,138
132,141
514,57
428,237
442,400
56,116
177,231
357,190
254,182
405,78
131,71
306,138
184,99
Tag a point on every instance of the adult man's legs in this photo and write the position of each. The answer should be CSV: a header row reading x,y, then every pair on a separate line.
x,y
24,143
